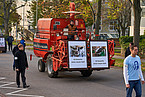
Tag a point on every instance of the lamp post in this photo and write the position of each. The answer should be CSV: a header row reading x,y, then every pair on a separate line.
x,y
24,15
23,18
36,13
16,32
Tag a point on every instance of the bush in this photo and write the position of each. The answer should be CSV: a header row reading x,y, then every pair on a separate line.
x,y
125,40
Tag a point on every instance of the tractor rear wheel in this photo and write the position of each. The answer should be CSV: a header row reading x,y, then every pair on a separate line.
x,y
41,66
50,71
86,73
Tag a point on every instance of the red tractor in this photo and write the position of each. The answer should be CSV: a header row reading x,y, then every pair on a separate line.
x,y
58,53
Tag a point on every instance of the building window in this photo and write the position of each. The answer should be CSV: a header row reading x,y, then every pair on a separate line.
x,y
143,3
143,14
112,25
57,22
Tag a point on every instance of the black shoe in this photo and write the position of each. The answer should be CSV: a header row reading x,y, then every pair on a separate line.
x,y
18,86
26,86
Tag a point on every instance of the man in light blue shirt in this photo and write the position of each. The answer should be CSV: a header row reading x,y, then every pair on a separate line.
x,y
132,73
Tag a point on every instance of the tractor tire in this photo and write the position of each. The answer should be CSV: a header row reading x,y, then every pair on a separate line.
x,y
86,73
41,66
50,71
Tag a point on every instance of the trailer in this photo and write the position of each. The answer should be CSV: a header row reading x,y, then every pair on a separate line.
x,y
58,53
3,45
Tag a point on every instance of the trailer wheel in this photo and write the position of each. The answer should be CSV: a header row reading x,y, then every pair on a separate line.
x,y
86,73
50,71
41,66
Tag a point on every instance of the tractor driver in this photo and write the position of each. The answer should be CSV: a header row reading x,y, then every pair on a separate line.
x,y
71,27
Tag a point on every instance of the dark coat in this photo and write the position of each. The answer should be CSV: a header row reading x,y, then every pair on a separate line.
x,y
127,52
10,39
21,60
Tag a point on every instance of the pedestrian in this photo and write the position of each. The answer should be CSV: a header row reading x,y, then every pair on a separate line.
x,y
127,52
21,64
132,73
10,40
22,41
15,49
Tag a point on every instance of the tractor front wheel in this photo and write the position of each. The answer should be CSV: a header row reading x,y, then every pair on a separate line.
x,y
86,73
50,71
41,66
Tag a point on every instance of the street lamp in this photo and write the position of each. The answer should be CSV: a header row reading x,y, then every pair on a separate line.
x,y
24,16
36,12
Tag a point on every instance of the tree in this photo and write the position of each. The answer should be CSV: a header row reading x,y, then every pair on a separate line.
x,y
8,8
54,9
97,23
32,12
137,17
120,10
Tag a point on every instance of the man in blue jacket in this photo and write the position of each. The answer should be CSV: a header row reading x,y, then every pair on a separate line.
x,y
22,41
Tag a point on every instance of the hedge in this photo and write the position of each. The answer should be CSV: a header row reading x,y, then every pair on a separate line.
x,y
125,40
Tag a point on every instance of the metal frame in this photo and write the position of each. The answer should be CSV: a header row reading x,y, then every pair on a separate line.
x,y
75,69
91,54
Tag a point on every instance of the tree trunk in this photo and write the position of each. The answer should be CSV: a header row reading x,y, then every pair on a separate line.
x,y
6,27
98,19
129,23
137,17
123,31
119,32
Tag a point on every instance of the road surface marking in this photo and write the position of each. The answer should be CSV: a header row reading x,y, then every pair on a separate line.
x,y
17,89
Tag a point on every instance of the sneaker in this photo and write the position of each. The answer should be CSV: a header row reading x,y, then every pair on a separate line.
x,y
26,86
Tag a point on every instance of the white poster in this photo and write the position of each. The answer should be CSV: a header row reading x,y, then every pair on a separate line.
x,y
2,42
99,54
77,54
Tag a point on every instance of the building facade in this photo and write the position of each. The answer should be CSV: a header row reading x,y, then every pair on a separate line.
x,y
24,22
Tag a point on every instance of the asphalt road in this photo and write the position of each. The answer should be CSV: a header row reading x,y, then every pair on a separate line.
x,y
106,83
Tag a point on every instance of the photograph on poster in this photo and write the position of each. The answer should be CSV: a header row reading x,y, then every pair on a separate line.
x,y
99,55
77,51
98,51
77,54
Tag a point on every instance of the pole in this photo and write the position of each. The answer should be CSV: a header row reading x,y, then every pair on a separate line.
x,y
36,13
23,19
16,32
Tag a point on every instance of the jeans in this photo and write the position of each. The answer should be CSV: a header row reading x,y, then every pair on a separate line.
x,y
136,85
22,72
10,46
